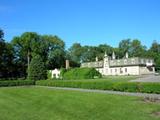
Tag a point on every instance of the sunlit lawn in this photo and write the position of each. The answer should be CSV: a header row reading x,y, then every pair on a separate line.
x,y
34,103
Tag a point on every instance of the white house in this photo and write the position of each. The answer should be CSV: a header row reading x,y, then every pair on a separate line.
x,y
125,66
55,73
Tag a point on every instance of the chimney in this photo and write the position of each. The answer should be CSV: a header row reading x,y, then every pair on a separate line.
x,y
67,64
126,56
96,59
113,56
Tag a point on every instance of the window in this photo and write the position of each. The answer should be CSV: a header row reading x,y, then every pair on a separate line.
x,y
121,71
126,70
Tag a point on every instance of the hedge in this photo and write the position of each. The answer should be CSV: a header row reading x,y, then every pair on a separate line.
x,y
105,85
16,83
80,73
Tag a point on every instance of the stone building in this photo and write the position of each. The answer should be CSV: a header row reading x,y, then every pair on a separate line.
x,y
125,66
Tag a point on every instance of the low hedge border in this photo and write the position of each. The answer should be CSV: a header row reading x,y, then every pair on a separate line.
x,y
116,86
16,83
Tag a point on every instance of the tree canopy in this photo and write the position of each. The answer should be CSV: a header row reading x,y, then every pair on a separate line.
x,y
16,56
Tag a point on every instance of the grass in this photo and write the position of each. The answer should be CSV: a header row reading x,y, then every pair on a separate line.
x,y
34,103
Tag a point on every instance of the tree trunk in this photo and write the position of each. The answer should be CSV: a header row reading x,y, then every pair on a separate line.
x,y
28,58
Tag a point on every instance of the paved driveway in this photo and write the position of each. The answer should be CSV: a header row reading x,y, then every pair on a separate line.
x,y
148,78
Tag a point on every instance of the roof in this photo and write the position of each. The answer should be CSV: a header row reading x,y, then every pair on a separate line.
x,y
121,62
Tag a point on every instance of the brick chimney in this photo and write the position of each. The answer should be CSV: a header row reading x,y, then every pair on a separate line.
x,y
67,64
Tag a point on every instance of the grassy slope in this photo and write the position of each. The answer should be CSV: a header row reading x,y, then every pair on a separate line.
x,y
48,104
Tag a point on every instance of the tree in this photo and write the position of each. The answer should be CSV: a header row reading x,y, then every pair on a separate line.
x,y
89,53
30,44
25,44
154,52
54,51
155,47
1,35
104,48
37,69
137,49
75,52
6,58
124,46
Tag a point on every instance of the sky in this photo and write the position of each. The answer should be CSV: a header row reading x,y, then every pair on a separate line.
x,y
89,22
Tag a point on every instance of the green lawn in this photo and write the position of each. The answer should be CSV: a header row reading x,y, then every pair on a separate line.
x,y
34,103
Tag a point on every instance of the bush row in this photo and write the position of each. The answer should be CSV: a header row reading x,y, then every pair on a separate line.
x,y
116,86
16,83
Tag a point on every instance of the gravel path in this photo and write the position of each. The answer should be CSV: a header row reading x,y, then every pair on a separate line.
x,y
147,78
157,96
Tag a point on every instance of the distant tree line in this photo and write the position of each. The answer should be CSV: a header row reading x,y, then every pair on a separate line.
x,y
16,55
79,54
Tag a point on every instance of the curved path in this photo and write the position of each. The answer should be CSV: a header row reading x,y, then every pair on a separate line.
x,y
157,96
147,78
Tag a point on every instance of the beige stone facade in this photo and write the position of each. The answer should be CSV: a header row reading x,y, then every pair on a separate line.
x,y
125,66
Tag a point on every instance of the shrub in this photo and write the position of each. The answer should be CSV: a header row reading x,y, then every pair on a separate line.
x,y
62,71
81,73
37,69
16,83
49,74
150,87
104,85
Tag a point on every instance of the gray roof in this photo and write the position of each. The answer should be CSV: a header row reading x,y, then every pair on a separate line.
x,y
120,62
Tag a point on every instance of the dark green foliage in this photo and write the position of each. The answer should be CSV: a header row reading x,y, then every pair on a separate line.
x,y
49,75
16,83
37,69
1,35
62,71
81,73
105,85
29,44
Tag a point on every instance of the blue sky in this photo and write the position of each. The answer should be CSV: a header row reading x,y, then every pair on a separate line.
x,y
89,22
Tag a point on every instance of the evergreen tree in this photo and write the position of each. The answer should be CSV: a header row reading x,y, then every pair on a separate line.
x,y
37,69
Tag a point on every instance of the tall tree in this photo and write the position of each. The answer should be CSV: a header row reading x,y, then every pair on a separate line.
x,y
137,49
1,35
25,45
6,58
75,52
37,69
102,48
154,52
124,46
155,47
54,50
30,44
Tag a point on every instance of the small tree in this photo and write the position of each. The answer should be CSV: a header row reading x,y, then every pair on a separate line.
x,y
37,69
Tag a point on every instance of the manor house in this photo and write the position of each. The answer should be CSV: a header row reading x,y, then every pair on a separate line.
x,y
125,66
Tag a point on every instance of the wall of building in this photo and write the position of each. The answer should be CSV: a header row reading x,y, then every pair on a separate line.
x,y
146,70
127,66
129,70
55,73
